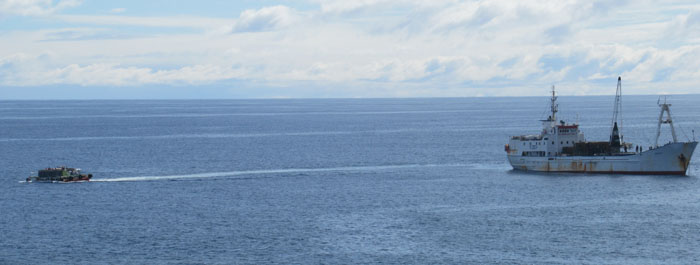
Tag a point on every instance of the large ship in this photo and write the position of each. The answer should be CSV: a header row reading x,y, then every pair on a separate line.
x,y
561,147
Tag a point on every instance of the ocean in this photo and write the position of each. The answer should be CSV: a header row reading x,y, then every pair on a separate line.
x,y
333,181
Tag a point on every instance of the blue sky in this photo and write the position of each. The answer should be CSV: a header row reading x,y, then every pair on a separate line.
x,y
329,48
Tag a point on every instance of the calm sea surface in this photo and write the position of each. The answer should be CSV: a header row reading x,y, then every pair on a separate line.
x,y
336,181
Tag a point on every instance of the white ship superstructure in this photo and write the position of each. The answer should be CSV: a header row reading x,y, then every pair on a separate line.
x,y
562,147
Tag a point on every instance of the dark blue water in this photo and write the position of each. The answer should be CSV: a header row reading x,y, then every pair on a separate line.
x,y
333,181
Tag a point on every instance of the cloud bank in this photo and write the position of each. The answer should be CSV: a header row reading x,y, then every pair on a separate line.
x,y
388,48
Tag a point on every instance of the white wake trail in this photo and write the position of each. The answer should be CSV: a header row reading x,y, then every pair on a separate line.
x,y
271,171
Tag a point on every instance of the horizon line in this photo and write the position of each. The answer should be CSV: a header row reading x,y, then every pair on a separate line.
x,y
321,98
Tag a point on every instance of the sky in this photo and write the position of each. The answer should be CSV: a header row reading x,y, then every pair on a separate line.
x,y
83,49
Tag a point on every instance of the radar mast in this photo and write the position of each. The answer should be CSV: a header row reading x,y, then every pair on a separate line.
x,y
554,106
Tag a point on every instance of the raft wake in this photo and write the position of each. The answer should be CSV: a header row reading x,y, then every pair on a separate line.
x,y
273,171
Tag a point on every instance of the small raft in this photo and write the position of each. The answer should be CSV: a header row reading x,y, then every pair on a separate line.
x,y
60,174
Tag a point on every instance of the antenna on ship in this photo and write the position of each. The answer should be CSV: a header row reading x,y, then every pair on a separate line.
x,y
554,106
615,134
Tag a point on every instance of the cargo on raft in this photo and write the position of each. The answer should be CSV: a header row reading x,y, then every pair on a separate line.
x,y
59,174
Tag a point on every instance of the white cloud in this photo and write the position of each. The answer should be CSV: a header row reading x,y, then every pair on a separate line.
x,y
34,7
339,7
165,22
684,27
264,19
252,20
117,10
30,71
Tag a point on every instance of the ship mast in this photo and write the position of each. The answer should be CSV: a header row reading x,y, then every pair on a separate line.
x,y
665,108
554,106
615,135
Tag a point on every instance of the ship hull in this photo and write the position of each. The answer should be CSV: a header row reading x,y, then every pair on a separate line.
x,y
670,159
78,178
